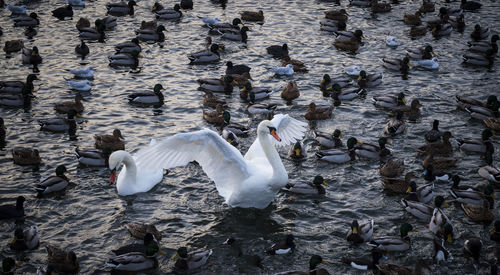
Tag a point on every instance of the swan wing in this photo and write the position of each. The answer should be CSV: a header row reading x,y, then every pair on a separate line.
x,y
221,161
288,129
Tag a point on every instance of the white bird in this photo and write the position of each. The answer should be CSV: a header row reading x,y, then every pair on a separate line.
x,y
17,9
83,73
287,70
76,3
391,41
210,20
430,64
352,70
82,86
246,181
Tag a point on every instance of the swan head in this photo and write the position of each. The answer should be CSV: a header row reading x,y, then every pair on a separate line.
x,y
115,159
267,127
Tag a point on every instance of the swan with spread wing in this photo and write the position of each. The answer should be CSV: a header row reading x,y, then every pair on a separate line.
x,y
244,181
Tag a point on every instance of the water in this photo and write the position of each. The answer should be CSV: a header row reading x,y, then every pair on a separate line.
x,y
90,218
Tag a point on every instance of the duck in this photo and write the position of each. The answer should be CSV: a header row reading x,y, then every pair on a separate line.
x,y
337,15
53,183
479,213
217,85
479,59
314,261
327,140
495,231
209,43
241,79
187,4
236,128
81,86
397,185
8,211
95,33
252,15
479,33
443,147
17,100
416,31
488,171
278,51
216,27
25,240
423,194
16,87
283,246
360,233
93,157
422,210
121,8
82,23
204,57
332,26
472,247
211,100
413,19
431,175
441,254
31,56
456,184
483,111
392,168
389,101
440,225
339,156
192,260
380,7
441,30
483,46
113,142
395,126
30,32
429,64
440,163
316,112
124,59
236,69
427,6
139,230
306,187
151,35
148,241
433,135
475,197
60,124
12,46
135,261
65,106
236,35
82,49
369,80
258,92
64,261
476,145
215,117
174,13
9,265
347,93
87,72
148,98
17,9
230,137
291,91
26,156
26,21
393,243
492,123
260,108
412,111
327,82
352,44
367,150
467,102
148,25
365,263
128,47
298,151
420,53
63,12
470,5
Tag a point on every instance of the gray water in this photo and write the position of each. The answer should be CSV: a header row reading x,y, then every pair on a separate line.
x,y
90,217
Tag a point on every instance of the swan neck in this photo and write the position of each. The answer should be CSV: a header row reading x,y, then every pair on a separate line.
x,y
271,154
129,163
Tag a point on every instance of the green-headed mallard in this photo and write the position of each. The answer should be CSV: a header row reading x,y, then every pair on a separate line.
x,y
479,59
315,112
433,135
129,46
440,225
327,83
423,194
443,147
8,211
291,91
230,137
139,230
328,140
147,97
236,128
413,19
427,6
136,261
113,142
394,64
439,163
364,263
421,210
62,260
215,26
25,240
483,46
236,35
278,51
495,231
53,183
360,233
420,53
13,46
156,35
475,197
26,21
92,33
283,246
93,157
298,66
25,156
412,111
252,15
347,93
395,125
174,13
124,59
392,168
211,100
121,8
479,33
215,116
59,124
65,106
16,87
488,171
307,187
478,109
217,85
339,156
192,260
369,80
206,56
398,185
259,92
390,101
372,151
394,243
476,145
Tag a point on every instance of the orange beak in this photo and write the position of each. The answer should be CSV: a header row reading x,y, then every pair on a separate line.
x,y
112,177
273,133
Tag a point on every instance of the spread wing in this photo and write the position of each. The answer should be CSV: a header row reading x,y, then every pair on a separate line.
x,y
222,162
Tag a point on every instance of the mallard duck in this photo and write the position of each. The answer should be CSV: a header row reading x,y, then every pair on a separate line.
x,y
216,116
360,233
128,47
479,213
26,21
187,4
59,124
298,66
151,35
367,150
421,210
347,93
395,125
483,46
413,19
8,211
31,56
369,80
259,92
392,168
365,263
278,51
9,266
252,15
441,30
475,197
479,33
62,260
420,53
431,175
443,147
390,101
121,8
291,91
339,156
457,186
470,5
95,33
236,35
148,240
283,246
315,112
150,98
25,156
476,145
473,246
417,31
204,57
351,45
380,7
82,23
298,151
427,6
135,261
157,7
433,135
492,123
192,260
260,108
477,109
440,225
62,12
439,163
124,59
216,27
495,231
113,142
327,83
400,65
148,25
393,243
307,187
338,15
82,49
396,185
13,46
423,194
236,128
412,111
217,85
230,137
174,13
27,240
489,172
479,59
211,100
53,183
332,25
65,106
139,230
17,100
16,87
236,69
313,268
327,140
93,157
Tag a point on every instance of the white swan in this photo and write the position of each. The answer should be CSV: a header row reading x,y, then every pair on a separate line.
x,y
134,176
249,181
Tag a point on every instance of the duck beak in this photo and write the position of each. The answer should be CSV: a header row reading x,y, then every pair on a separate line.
x,y
449,238
18,265
404,100
78,115
409,64
244,89
494,196
112,177
493,229
323,81
175,256
408,190
273,133
359,142
445,204
359,78
297,152
161,252
355,230
415,230
139,56
235,82
389,143
324,262
329,88
229,140
324,183
14,240
341,136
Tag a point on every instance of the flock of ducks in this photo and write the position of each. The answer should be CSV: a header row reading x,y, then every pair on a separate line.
x,y
419,201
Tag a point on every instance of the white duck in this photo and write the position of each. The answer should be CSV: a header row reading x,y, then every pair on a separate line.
x,y
87,72
249,181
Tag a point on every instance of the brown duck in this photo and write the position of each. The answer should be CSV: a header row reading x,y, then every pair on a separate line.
x,y
113,142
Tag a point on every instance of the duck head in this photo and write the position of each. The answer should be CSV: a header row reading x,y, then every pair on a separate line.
x,y
319,180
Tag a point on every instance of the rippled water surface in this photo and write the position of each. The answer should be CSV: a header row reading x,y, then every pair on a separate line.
x,y
90,217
